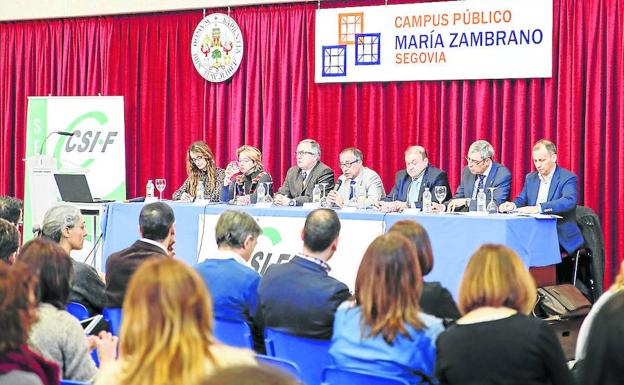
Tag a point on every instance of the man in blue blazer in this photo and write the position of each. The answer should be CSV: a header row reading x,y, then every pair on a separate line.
x,y
481,172
410,183
550,190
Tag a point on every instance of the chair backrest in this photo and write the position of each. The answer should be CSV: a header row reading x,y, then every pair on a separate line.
x,y
70,382
233,333
310,355
281,364
78,310
112,315
336,376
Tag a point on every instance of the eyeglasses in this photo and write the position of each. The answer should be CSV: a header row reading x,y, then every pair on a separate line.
x,y
195,160
302,153
347,164
413,163
244,160
475,162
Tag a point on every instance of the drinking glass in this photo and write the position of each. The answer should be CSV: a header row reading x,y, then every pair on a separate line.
x,y
267,196
160,186
324,196
492,207
440,194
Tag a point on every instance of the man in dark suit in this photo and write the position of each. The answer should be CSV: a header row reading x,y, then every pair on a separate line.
x,y
481,172
410,183
550,190
156,226
300,179
298,297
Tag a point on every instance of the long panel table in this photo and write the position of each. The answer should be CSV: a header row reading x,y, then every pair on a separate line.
x,y
454,237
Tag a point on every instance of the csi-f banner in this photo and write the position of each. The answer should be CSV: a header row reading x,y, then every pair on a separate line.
x,y
472,39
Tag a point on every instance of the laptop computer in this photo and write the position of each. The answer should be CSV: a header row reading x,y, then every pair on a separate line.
x,y
74,188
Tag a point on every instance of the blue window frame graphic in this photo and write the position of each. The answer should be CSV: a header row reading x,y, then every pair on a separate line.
x,y
334,60
367,49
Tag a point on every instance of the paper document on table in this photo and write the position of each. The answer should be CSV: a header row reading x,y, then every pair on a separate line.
x,y
538,215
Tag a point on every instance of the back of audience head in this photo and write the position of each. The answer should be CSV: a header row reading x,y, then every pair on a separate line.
x,y
249,375
9,241
10,209
495,277
17,305
417,234
53,268
167,324
321,230
237,230
156,220
64,224
604,363
388,286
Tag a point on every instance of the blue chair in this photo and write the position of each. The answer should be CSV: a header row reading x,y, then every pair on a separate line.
x,y
233,333
112,315
335,376
280,364
310,355
78,310
70,382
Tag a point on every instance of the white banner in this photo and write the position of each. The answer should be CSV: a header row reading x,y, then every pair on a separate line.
x,y
471,39
281,239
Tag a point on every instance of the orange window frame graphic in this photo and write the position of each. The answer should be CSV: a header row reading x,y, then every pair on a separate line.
x,y
344,21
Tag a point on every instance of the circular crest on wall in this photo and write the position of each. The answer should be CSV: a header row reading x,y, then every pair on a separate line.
x,y
217,47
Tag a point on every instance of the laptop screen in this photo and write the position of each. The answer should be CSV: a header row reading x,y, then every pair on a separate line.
x,y
73,188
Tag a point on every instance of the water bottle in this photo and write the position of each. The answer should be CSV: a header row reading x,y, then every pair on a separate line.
x,y
199,192
149,189
426,207
316,194
481,199
260,193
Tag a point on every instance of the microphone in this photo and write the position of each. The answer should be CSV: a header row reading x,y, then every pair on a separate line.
x,y
338,184
63,133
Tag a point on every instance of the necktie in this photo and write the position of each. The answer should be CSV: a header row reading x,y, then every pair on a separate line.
x,y
303,177
352,190
413,191
479,186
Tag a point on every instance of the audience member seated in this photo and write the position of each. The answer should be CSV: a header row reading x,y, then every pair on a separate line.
x,y
495,342
434,299
157,231
249,375
481,173
298,297
356,179
384,331
410,183
232,283
203,175
300,179
242,190
166,330
57,334
18,363
11,209
604,364
9,241
64,224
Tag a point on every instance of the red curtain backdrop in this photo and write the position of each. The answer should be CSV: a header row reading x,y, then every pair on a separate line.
x,y
272,101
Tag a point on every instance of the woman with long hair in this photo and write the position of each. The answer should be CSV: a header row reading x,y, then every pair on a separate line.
x,y
167,330
495,341
202,172
383,331
242,190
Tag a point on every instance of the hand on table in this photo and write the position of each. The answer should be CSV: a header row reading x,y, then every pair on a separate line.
x,y
457,203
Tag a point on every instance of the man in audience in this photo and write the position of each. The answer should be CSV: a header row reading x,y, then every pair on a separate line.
x,y
232,283
300,179
356,179
157,230
550,190
299,297
10,209
480,173
411,182
9,241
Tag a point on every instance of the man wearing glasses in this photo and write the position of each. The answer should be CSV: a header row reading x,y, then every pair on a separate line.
x,y
356,180
480,173
300,179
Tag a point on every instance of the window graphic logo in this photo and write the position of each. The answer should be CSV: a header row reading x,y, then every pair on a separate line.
x,y
350,24
335,60
367,48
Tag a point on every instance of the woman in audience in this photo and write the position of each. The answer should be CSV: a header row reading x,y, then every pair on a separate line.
x,y
57,334
64,225
495,342
434,299
19,364
243,188
384,331
203,175
604,363
166,331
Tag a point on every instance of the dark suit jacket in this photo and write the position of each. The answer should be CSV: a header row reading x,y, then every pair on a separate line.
x,y
432,177
438,301
561,201
121,265
229,192
87,288
499,177
293,184
298,297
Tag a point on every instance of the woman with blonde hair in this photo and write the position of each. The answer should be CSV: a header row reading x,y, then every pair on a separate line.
x,y
167,330
242,190
496,342
383,331
204,177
